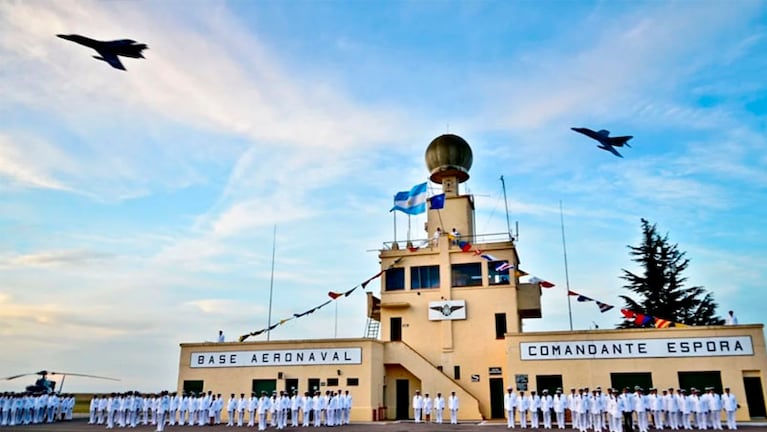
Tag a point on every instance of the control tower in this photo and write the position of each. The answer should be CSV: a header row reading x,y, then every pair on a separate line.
x,y
445,308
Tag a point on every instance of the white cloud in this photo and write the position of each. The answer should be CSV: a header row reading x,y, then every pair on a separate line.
x,y
31,162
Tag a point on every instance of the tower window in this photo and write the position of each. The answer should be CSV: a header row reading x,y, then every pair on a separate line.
x,y
497,277
469,274
395,279
500,325
424,277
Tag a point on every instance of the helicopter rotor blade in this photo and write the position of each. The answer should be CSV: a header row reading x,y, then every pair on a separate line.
x,y
83,375
12,377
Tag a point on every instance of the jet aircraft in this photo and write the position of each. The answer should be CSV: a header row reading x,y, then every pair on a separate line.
x,y
606,142
109,50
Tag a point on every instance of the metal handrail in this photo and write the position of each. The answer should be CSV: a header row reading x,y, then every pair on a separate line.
x,y
475,239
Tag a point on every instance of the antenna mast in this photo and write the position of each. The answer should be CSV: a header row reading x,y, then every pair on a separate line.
x,y
505,203
567,275
271,285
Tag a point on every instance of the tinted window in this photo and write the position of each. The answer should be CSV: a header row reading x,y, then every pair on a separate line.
x,y
469,274
424,277
395,279
495,276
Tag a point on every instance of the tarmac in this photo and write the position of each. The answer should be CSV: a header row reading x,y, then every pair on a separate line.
x,y
81,425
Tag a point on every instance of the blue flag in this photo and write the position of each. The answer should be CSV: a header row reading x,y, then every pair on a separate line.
x,y
437,202
411,202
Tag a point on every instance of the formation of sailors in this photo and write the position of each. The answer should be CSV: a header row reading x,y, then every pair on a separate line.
x,y
624,411
27,408
276,410
424,406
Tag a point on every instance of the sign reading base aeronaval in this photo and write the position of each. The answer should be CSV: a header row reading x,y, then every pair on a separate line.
x,y
634,348
295,357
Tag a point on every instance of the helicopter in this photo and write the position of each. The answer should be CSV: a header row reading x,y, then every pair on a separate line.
x,y
44,385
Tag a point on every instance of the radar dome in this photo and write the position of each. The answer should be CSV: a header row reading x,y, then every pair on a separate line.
x,y
449,156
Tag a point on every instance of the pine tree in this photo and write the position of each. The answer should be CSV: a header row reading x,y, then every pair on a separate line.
x,y
660,289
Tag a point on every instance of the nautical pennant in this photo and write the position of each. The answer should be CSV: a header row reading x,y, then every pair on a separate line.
x,y
604,307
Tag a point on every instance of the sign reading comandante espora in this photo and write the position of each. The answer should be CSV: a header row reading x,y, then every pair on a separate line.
x,y
633,348
294,357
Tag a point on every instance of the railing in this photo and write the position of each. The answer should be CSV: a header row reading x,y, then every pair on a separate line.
x,y
424,242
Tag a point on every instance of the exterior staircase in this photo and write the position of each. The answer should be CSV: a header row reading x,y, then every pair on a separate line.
x,y
410,359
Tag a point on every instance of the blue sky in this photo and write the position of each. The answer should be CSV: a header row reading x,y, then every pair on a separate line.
x,y
137,208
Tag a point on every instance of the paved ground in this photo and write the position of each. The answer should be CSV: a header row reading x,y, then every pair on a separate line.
x,y
80,425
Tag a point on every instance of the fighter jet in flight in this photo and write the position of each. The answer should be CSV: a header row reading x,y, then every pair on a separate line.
x,y
109,50
606,142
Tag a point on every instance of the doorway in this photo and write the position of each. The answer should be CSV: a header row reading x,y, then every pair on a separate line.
x,y
621,380
754,396
395,328
266,385
403,399
291,385
548,382
313,385
496,398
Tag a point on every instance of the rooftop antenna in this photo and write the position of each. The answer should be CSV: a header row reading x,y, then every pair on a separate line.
x,y
567,275
505,203
271,285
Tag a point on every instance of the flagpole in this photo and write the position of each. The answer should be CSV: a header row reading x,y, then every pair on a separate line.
x,y
408,227
567,275
271,285
335,335
395,229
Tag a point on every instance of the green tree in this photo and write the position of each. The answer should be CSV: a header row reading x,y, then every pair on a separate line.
x,y
660,290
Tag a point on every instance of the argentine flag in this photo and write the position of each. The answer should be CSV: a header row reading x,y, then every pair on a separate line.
x,y
411,202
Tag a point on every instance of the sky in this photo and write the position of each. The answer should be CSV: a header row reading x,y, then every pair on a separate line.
x,y
137,209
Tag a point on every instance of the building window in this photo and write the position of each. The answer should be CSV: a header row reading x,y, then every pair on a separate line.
x,y
193,386
424,277
352,382
701,380
332,382
395,279
496,277
548,382
621,380
469,274
456,372
500,325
